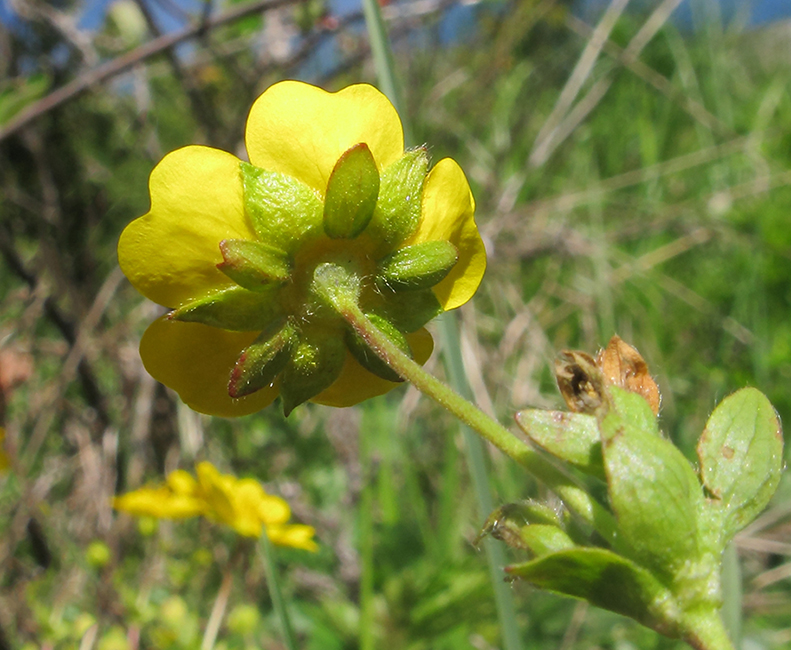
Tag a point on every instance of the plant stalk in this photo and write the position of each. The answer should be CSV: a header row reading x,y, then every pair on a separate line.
x,y
575,497
275,593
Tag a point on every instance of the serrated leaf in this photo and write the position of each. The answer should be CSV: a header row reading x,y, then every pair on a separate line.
x,y
653,489
605,580
572,437
741,457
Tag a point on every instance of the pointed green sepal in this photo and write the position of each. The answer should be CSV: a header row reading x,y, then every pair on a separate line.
x,y
572,437
399,207
367,358
315,363
352,190
253,265
653,489
410,311
741,457
261,362
283,211
605,580
234,309
528,525
416,267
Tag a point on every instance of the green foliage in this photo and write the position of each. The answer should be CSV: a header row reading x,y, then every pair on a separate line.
x,y
649,219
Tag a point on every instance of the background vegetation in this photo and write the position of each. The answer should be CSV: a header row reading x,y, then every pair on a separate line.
x,y
632,176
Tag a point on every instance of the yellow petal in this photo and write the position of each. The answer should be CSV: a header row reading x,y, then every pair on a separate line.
x,y
196,360
273,510
301,130
217,492
181,482
158,502
449,215
170,254
295,535
356,384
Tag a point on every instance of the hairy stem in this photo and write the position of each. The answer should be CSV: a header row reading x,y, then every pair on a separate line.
x,y
575,497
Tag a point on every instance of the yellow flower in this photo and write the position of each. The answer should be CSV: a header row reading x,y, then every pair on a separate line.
x,y
231,247
241,504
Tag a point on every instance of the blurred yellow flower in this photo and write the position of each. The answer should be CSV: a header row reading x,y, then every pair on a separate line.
x,y
232,247
241,504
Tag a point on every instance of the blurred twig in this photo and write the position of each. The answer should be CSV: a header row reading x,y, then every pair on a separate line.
x,y
67,329
130,59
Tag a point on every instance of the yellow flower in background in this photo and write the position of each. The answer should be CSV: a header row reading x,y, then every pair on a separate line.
x,y
241,504
232,248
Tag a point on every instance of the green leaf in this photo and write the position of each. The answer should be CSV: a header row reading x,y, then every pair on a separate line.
x,y
235,309
262,361
367,358
253,265
399,207
315,363
605,580
352,190
741,457
283,211
652,488
416,267
572,437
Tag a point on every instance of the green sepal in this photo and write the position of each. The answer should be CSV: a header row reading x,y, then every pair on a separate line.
x,y
528,525
605,580
653,489
315,362
398,210
572,437
283,211
235,309
420,266
352,190
253,265
741,458
367,358
410,311
262,361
